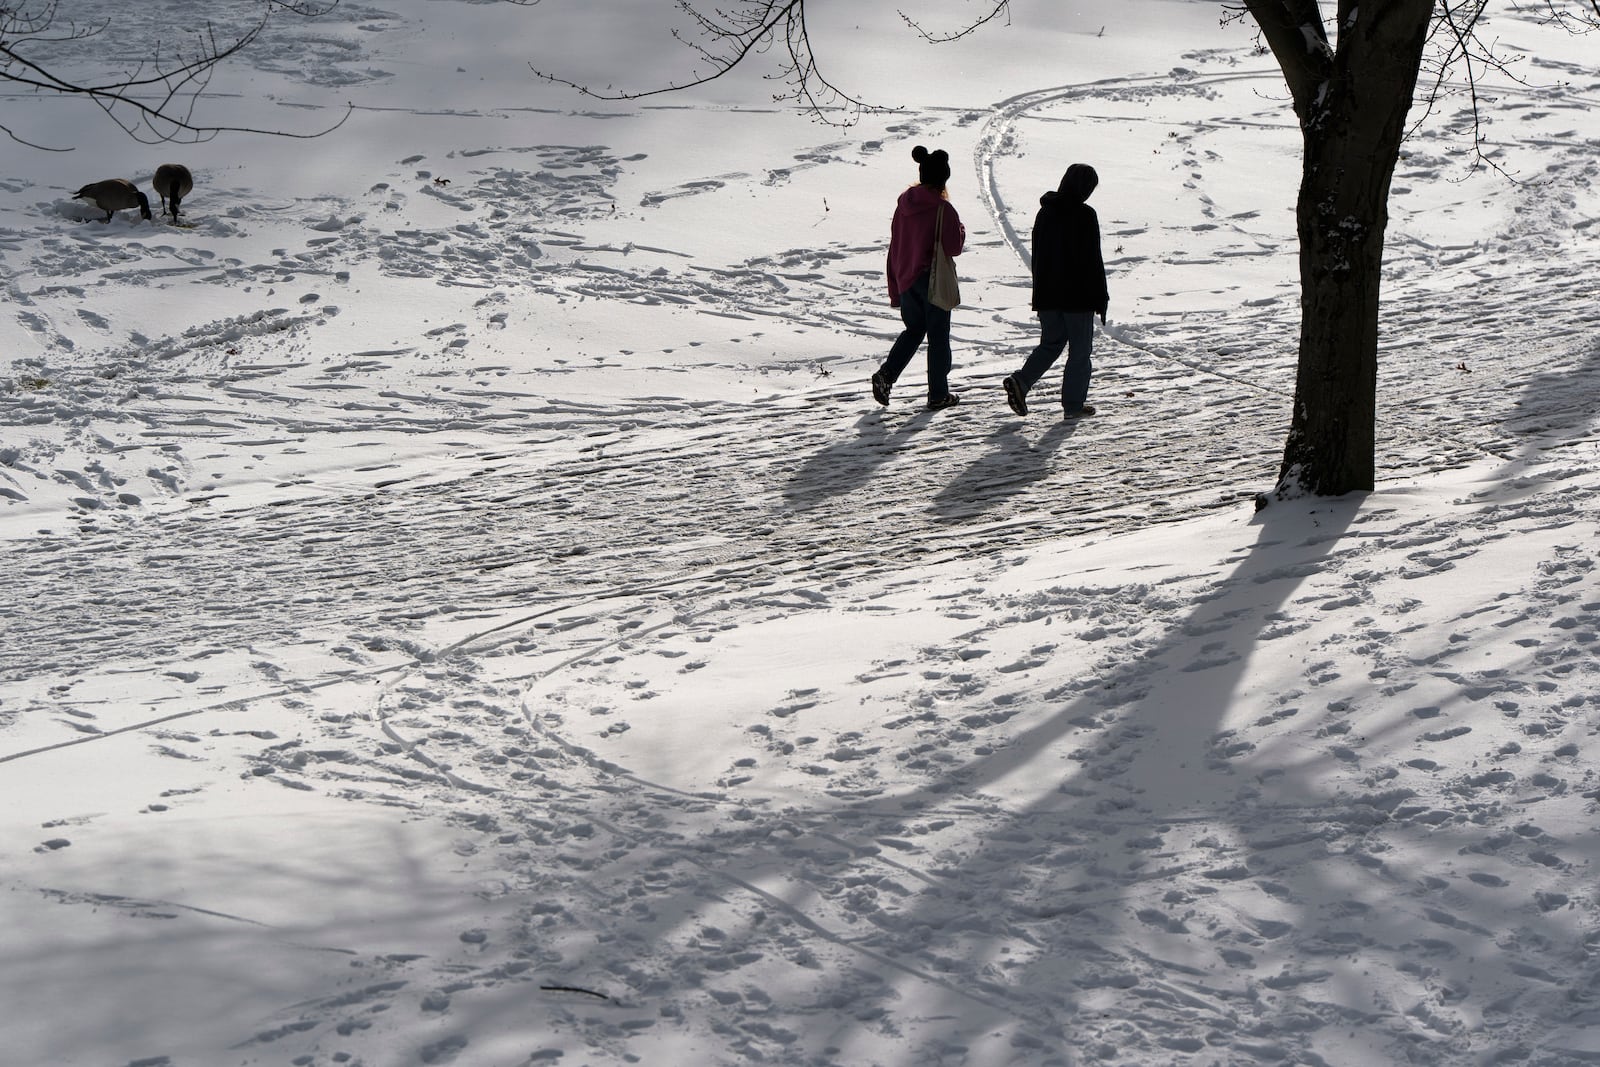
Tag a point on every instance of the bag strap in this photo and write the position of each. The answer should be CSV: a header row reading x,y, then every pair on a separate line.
x,y
938,228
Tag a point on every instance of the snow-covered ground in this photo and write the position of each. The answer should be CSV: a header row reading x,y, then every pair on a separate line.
x,y
464,607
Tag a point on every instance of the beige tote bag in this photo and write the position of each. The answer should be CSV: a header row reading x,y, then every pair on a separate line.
x,y
943,289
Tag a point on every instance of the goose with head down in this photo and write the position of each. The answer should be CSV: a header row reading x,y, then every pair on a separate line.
x,y
113,195
172,182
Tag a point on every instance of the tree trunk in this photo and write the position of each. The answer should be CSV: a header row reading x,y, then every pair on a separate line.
x,y
1352,104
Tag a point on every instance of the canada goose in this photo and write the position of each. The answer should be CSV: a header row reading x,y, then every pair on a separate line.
x,y
114,195
173,182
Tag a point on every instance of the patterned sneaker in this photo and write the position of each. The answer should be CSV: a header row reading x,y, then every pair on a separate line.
x,y
880,388
1087,409
949,400
1015,396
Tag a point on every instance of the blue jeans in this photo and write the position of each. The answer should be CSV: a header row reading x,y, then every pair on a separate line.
x,y
923,319
1070,330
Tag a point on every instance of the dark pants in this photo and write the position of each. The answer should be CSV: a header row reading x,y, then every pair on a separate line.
x,y
1070,330
923,319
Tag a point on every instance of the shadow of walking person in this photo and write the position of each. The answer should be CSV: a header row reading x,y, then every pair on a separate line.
x,y
850,463
1006,470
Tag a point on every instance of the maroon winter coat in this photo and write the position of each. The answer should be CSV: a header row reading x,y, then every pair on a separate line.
x,y
911,237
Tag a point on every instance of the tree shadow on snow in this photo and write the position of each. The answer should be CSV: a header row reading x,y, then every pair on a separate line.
x,y
264,955
1557,405
1271,913
1015,938
1179,881
1161,882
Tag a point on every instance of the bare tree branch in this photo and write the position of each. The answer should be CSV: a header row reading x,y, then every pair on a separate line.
x,y
729,37
1456,26
155,102
24,142
1295,31
1573,22
1001,7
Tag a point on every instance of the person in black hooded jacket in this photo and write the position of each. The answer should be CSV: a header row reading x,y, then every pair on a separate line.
x,y
1069,289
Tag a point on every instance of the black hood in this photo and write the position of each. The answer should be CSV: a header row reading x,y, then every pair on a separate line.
x,y
1078,182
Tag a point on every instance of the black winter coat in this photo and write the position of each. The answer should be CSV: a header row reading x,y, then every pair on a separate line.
x,y
1069,273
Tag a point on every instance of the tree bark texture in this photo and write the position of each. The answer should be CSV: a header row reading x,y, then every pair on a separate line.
x,y
1352,102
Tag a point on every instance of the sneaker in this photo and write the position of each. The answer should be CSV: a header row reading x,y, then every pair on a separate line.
x,y
880,388
949,400
1015,396
1087,409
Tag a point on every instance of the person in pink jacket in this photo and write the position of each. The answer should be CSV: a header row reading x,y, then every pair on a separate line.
x,y
910,260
